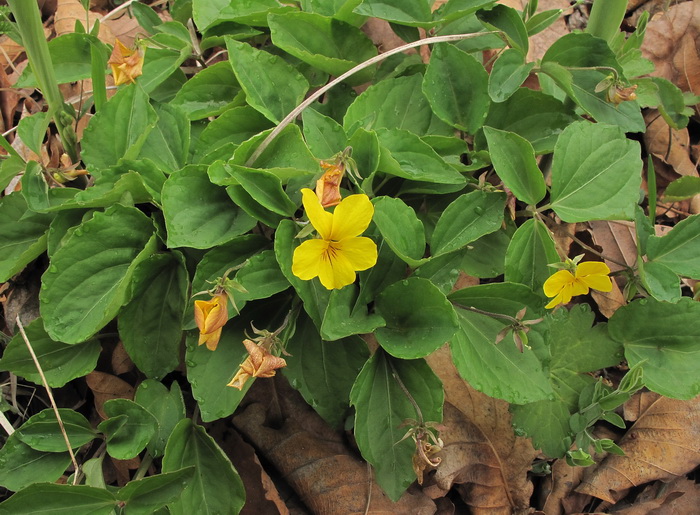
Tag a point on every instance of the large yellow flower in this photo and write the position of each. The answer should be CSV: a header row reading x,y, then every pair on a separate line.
x,y
588,275
340,251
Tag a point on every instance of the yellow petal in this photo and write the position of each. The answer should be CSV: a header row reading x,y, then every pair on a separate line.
x,y
351,217
335,270
594,275
597,282
555,301
592,268
556,283
321,219
308,258
360,252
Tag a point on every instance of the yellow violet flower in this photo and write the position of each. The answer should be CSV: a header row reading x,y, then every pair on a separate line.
x,y
211,316
587,275
126,64
340,251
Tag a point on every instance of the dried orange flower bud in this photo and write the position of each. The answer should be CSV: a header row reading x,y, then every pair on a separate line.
x,y
211,316
126,64
328,186
259,363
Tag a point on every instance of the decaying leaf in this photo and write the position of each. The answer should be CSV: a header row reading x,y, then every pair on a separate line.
x,y
328,476
663,444
671,146
105,387
68,12
679,497
671,44
481,451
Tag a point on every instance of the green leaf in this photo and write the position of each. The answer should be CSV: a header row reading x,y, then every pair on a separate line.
x,y
468,218
542,20
145,496
404,154
53,498
400,228
382,406
198,213
665,339
508,73
41,432
682,189
322,371
388,269
530,251
314,296
252,12
595,161
70,57
537,117
419,319
272,86
60,362
660,281
229,130
161,64
324,135
150,324
514,161
414,13
216,486
581,50
167,406
261,277
454,9
129,428
456,85
390,104
266,188
341,320
672,104
504,298
498,370
209,93
168,143
547,423
486,256
20,465
325,43
22,238
119,129
209,372
507,20
87,281
679,248
32,129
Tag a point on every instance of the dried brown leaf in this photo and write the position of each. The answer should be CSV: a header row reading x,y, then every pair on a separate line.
x,y
671,146
105,387
638,404
121,362
671,44
68,12
679,497
481,451
664,444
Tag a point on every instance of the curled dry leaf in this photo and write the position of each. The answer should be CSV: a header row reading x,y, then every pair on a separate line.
x,y
68,12
325,473
671,146
679,497
663,444
670,43
481,451
105,387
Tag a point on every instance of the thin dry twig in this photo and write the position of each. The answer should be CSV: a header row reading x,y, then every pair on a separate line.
x,y
51,399
6,424
318,93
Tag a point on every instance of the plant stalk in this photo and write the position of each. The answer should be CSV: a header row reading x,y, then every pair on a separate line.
x,y
28,18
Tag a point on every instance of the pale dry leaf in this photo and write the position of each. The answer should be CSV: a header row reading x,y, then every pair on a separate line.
x,y
671,43
679,497
561,233
564,479
540,43
121,362
671,146
638,404
663,444
617,240
611,301
105,387
68,12
481,451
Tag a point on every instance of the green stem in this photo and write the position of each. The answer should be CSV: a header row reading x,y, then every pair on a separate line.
x,y
651,186
606,18
143,468
28,20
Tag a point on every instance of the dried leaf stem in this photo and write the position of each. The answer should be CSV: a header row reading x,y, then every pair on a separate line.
x,y
51,399
318,93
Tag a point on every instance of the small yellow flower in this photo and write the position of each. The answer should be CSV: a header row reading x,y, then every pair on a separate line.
x,y
588,275
259,363
340,251
126,64
328,186
211,316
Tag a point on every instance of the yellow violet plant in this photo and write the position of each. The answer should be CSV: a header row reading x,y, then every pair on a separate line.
x,y
339,251
589,275
126,63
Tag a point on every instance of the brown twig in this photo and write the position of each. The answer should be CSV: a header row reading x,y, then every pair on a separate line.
x,y
51,399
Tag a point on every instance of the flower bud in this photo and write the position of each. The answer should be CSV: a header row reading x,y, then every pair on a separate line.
x,y
211,316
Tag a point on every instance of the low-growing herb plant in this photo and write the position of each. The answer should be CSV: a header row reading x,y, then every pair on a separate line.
x,y
260,208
